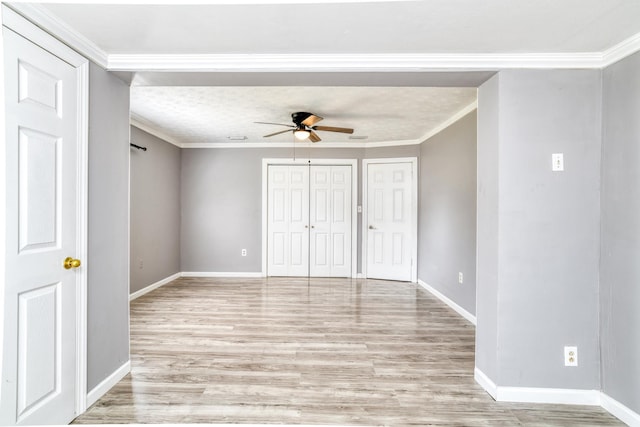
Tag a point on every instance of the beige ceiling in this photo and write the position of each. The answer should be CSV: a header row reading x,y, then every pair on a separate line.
x,y
260,38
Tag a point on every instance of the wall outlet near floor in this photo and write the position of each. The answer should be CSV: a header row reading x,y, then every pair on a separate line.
x,y
460,278
571,356
140,263
244,252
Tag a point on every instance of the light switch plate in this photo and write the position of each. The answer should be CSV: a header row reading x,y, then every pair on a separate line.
x,y
557,162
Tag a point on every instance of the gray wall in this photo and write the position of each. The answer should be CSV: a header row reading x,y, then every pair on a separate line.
x,y
487,228
221,194
108,262
397,151
447,212
619,268
548,227
221,199
155,210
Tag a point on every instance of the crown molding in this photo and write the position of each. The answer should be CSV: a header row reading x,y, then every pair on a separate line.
x,y
621,50
219,2
273,145
451,120
136,121
351,62
41,16
50,23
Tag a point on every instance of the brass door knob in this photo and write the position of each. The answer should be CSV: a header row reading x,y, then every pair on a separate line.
x,y
71,263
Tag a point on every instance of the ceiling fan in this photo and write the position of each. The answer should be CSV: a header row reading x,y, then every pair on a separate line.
x,y
304,127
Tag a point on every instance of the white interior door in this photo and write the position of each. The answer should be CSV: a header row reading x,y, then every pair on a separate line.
x,y
288,220
309,220
330,219
390,221
42,133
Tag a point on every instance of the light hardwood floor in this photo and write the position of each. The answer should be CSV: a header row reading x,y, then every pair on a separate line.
x,y
300,351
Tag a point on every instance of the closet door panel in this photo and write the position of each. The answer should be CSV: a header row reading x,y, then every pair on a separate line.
x,y
309,221
287,221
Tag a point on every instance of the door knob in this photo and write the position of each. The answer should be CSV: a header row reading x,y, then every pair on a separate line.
x,y
371,227
71,263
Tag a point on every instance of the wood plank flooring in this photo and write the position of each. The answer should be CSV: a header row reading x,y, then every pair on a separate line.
x,y
300,351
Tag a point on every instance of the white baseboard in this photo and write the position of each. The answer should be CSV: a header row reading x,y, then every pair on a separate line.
x,y
147,289
98,391
536,394
619,410
486,383
558,396
548,395
461,311
221,274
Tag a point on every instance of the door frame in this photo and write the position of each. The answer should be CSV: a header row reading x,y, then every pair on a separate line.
x,y
16,23
414,210
266,162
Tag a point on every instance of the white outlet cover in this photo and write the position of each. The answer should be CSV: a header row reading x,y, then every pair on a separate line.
x,y
571,356
460,278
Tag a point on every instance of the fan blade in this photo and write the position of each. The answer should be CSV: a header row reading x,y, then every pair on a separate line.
x,y
333,129
311,120
270,123
313,137
277,133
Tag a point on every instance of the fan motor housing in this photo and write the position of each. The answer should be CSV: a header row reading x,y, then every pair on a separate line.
x,y
299,117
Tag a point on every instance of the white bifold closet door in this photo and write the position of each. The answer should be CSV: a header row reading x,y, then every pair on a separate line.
x,y
330,220
309,221
288,221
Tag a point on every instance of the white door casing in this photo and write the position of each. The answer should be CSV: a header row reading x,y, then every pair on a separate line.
x,y
330,221
44,317
390,219
330,251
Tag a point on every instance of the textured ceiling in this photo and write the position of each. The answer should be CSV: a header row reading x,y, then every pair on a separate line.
x,y
212,114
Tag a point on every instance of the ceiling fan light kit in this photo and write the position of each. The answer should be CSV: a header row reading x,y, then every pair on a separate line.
x,y
304,127
301,134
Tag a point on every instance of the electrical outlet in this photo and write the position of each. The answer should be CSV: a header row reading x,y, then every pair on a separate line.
x,y
460,278
571,356
140,263
244,252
